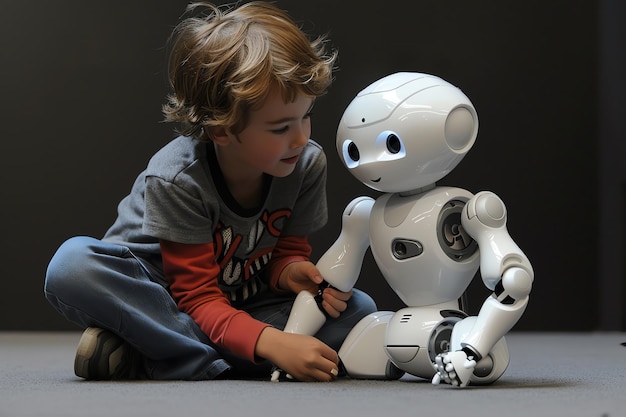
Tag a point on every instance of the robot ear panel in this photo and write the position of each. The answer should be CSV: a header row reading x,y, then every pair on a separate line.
x,y
461,129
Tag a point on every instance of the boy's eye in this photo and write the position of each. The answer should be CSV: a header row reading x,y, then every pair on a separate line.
x,y
285,128
281,130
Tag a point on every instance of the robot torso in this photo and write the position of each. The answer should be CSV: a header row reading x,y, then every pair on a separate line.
x,y
420,246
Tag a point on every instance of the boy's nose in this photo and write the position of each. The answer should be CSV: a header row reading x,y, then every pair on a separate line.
x,y
300,139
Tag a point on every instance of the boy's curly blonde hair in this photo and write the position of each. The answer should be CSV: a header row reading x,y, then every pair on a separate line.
x,y
225,61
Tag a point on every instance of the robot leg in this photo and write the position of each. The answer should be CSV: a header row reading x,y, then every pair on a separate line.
x,y
362,354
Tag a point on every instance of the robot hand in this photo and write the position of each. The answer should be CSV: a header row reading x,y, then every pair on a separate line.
x,y
455,368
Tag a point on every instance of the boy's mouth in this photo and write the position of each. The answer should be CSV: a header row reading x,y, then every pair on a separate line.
x,y
291,160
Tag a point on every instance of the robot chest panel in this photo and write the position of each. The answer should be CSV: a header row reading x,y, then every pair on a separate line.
x,y
420,246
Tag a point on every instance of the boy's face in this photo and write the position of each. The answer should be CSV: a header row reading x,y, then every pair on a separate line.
x,y
274,137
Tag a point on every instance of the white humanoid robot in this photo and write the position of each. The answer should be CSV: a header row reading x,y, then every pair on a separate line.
x,y
399,136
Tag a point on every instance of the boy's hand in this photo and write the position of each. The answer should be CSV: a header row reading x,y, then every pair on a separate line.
x,y
303,357
299,276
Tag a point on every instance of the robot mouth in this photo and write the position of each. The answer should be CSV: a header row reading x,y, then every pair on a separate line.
x,y
377,179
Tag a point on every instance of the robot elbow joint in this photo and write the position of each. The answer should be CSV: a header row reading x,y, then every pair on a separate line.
x,y
515,284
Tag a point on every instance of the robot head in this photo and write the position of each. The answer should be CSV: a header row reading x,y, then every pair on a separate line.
x,y
406,131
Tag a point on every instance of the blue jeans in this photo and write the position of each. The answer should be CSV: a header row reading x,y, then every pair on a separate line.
x,y
98,284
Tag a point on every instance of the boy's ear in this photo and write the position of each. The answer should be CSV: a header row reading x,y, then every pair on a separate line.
x,y
219,135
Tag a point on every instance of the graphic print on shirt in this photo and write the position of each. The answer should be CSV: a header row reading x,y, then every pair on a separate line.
x,y
241,259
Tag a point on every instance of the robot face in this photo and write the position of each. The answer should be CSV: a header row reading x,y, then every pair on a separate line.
x,y
406,131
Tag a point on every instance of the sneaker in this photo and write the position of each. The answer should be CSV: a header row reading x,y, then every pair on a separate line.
x,y
102,355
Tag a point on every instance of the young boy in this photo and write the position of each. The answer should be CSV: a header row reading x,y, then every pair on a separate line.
x,y
196,277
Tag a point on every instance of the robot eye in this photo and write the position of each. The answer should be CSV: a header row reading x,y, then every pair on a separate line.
x,y
393,143
353,152
390,146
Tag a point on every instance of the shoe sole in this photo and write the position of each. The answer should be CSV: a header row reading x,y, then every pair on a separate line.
x,y
98,354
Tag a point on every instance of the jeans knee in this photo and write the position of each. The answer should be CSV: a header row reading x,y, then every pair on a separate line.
x,y
67,267
362,303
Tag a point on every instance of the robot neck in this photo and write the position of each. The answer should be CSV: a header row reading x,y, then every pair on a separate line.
x,y
417,190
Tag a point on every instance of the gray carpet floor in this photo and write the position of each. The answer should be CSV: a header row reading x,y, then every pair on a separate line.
x,y
551,374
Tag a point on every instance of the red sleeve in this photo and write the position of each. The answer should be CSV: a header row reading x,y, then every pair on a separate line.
x,y
288,249
193,276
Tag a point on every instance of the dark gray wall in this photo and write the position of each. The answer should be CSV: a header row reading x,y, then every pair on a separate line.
x,y
83,85
611,166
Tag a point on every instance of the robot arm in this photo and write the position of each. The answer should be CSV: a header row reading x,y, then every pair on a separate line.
x,y
340,266
505,270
